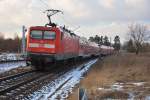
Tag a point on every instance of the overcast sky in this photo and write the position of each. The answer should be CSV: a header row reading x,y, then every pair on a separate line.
x,y
103,17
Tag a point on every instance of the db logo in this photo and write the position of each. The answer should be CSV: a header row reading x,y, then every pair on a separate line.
x,y
41,45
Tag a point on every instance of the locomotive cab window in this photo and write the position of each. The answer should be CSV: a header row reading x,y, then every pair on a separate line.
x,y
36,34
49,35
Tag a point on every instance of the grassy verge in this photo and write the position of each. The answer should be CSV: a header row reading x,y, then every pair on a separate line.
x,y
117,68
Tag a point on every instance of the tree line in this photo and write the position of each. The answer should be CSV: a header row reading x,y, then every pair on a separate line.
x,y
10,44
104,40
138,39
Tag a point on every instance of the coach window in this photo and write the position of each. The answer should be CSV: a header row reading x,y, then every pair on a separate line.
x,y
36,34
62,34
49,35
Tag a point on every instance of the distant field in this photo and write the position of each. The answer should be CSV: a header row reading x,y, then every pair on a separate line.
x,y
125,68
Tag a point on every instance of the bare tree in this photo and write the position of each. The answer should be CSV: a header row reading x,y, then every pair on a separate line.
x,y
139,34
1,36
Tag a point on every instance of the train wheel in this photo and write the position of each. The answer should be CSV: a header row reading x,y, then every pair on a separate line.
x,y
37,65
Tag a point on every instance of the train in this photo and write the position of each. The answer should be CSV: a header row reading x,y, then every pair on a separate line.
x,y
54,44
51,44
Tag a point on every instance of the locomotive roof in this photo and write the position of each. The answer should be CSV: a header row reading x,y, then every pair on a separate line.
x,y
67,30
42,27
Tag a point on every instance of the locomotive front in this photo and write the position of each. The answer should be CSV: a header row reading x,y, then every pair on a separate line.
x,y
42,44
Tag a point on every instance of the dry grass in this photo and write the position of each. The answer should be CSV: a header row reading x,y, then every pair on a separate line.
x,y
127,67
109,94
117,68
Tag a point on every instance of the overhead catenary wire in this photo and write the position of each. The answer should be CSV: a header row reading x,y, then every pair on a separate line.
x,y
42,6
66,21
44,3
74,27
62,17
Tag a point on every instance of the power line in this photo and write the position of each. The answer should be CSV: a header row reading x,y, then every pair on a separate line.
x,y
62,17
66,21
69,23
46,5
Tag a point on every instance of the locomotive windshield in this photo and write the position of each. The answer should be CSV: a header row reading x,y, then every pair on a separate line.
x,y
49,35
37,34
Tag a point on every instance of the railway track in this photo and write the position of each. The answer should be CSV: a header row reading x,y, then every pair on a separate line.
x,y
68,80
9,61
27,86
15,86
62,84
11,82
15,75
21,85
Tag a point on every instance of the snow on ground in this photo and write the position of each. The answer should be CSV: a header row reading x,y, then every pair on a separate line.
x,y
147,98
57,88
11,56
11,65
139,83
122,86
117,86
114,87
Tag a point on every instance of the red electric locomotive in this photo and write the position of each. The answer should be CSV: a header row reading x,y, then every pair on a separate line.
x,y
49,44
